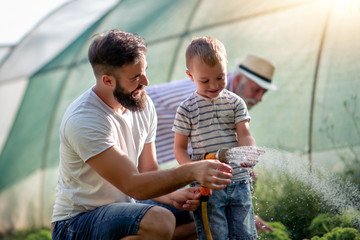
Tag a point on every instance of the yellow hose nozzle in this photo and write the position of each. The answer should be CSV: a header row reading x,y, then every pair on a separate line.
x,y
219,155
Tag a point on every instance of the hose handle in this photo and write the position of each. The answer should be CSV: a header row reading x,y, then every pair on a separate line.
x,y
205,193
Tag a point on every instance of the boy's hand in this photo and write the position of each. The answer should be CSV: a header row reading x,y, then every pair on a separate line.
x,y
250,156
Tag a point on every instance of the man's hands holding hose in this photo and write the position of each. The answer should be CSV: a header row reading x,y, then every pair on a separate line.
x,y
187,199
212,173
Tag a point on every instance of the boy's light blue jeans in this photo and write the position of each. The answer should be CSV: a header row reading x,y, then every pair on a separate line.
x,y
230,213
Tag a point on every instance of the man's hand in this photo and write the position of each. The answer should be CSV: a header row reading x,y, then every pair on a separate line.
x,y
212,173
186,199
261,225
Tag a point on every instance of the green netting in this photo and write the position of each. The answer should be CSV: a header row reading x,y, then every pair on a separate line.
x,y
287,32
339,83
33,142
23,152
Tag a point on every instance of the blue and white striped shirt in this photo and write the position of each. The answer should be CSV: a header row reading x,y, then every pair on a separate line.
x,y
210,123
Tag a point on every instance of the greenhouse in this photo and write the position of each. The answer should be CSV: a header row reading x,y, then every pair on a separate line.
x,y
314,113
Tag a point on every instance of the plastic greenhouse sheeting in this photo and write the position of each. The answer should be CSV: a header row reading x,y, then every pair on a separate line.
x,y
315,46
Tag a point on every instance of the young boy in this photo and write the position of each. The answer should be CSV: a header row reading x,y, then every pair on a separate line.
x,y
214,118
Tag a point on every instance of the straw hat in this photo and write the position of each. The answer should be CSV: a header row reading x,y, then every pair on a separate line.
x,y
259,70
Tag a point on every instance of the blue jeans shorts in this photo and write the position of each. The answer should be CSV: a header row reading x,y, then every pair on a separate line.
x,y
230,213
181,216
113,221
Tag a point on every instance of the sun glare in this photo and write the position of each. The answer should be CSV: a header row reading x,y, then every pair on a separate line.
x,y
351,7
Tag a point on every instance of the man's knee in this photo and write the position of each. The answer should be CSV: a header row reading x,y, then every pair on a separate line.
x,y
158,222
185,231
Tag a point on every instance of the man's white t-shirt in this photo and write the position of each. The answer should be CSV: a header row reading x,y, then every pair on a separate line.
x,y
89,127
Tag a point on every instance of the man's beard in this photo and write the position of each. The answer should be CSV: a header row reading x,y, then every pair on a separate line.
x,y
127,100
250,102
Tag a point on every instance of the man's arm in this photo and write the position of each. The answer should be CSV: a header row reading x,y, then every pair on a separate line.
x,y
187,199
115,166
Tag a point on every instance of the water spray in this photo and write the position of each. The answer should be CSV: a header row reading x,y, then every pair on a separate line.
x,y
341,195
336,192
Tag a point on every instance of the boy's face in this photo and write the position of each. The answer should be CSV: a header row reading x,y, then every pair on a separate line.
x,y
209,81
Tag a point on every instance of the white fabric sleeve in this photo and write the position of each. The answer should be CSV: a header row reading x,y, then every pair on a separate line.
x,y
152,122
240,110
89,135
182,122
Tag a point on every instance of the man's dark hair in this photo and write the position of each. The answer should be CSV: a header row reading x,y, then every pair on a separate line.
x,y
114,49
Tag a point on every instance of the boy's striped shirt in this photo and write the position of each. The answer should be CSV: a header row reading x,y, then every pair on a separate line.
x,y
210,123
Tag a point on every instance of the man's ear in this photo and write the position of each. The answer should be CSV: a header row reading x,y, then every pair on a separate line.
x,y
108,80
189,74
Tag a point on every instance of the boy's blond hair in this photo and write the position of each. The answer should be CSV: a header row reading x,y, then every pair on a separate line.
x,y
208,49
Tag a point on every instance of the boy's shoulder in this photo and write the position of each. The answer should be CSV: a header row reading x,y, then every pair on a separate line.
x,y
191,99
232,98
229,93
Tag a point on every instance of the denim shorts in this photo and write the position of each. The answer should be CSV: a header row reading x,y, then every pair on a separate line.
x,y
113,221
181,216
230,213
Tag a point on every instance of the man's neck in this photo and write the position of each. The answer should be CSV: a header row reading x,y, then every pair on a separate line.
x,y
109,100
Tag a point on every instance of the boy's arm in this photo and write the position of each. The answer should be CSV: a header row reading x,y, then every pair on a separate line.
x,y
251,154
244,134
180,148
